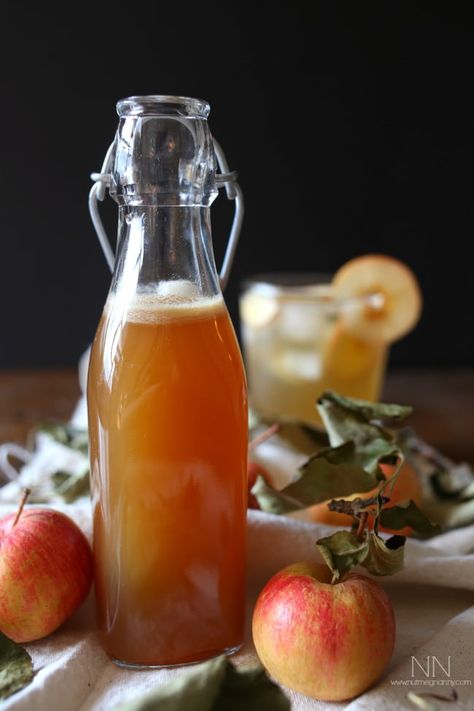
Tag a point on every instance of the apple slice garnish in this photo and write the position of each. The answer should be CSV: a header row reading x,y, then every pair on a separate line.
x,y
386,297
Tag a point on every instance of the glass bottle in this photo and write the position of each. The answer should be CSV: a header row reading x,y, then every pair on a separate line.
x,y
167,405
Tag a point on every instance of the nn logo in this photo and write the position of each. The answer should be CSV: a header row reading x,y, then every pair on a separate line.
x,y
431,667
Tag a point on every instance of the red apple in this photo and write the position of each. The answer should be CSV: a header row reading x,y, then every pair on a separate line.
x,y
253,471
330,642
46,571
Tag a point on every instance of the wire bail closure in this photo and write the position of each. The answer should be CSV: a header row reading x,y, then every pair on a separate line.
x,y
225,179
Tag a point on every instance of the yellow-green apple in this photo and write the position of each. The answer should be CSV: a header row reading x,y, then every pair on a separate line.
x,y
330,642
46,570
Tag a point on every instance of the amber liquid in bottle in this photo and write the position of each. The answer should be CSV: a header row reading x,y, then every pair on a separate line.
x,y
168,441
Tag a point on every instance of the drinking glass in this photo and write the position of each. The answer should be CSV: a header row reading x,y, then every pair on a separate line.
x,y
299,340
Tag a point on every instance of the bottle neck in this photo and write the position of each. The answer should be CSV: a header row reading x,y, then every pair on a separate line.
x,y
165,250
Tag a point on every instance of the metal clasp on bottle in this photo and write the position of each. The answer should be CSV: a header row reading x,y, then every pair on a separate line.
x,y
225,179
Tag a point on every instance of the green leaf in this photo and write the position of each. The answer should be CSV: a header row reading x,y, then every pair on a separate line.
x,y
450,514
304,438
368,454
384,557
421,703
346,424
408,514
342,551
250,689
457,482
214,686
420,699
348,419
66,434
254,419
350,466
448,479
16,667
366,410
271,500
71,485
197,690
330,473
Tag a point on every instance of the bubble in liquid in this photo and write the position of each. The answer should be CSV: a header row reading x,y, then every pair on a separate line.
x,y
167,301
180,289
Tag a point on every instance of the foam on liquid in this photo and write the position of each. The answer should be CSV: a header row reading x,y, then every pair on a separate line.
x,y
173,300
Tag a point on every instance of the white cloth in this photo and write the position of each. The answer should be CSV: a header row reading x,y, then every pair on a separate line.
x,y
433,599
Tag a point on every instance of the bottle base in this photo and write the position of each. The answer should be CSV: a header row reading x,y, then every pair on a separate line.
x,y
228,651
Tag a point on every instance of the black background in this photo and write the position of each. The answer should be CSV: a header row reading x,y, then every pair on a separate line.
x,y
351,126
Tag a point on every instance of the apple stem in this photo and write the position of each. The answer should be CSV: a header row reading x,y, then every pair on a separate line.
x,y
263,436
362,524
26,493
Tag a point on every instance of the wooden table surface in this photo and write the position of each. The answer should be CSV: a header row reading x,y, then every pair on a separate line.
x,y
443,402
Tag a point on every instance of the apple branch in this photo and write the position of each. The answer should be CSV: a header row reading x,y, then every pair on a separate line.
x,y
263,436
362,524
